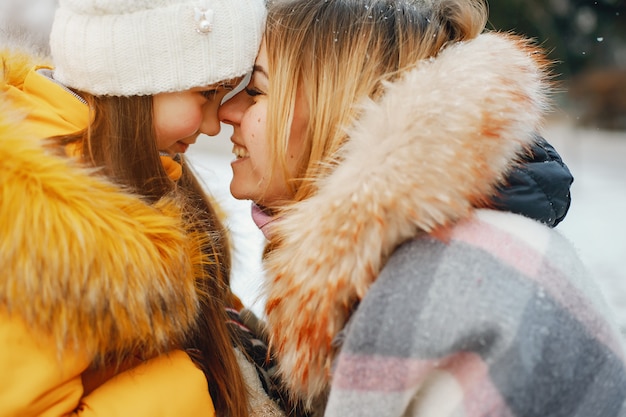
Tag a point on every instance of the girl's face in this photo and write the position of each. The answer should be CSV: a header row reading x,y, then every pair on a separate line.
x,y
253,178
180,117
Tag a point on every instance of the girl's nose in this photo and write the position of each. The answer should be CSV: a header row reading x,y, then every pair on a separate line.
x,y
210,122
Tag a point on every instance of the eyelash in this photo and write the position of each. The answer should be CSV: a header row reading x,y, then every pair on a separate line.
x,y
209,94
253,92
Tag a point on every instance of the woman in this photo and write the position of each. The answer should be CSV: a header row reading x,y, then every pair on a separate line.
x,y
373,137
132,86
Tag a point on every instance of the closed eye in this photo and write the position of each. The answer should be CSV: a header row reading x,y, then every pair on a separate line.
x,y
209,94
253,92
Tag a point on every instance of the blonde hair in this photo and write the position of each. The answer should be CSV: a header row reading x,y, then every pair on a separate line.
x,y
336,53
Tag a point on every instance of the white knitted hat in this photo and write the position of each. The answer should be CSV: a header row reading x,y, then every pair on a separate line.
x,y
145,47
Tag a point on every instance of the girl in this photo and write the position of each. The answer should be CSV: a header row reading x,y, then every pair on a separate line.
x,y
132,86
373,137
87,278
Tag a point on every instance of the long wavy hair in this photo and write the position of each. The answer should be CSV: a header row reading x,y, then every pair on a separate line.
x,y
120,141
337,53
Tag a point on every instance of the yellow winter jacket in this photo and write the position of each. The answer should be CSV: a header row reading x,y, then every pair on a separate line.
x,y
90,274
50,109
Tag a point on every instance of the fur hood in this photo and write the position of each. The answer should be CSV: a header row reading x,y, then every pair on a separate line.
x,y
420,159
91,266
18,54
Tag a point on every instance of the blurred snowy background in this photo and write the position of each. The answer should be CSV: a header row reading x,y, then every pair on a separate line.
x,y
588,129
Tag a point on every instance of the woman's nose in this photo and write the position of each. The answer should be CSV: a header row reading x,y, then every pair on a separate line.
x,y
230,112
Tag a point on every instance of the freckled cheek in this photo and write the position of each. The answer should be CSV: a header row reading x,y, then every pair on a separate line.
x,y
256,126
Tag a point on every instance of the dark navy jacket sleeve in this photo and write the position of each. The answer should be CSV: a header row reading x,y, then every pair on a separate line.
x,y
539,187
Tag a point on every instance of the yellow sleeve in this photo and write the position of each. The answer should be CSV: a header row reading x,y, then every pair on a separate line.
x,y
34,380
167,386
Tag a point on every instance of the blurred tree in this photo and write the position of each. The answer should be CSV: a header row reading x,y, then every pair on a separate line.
x,y
579,34
587,41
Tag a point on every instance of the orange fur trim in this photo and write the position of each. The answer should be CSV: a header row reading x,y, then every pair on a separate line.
x,y
82,260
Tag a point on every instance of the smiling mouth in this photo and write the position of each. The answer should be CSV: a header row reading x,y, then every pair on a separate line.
x,y
240,152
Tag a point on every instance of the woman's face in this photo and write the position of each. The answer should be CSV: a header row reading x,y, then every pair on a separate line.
x,y
180,117
253,178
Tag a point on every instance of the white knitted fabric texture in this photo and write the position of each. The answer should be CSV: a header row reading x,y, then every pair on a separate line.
x,y
145,47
